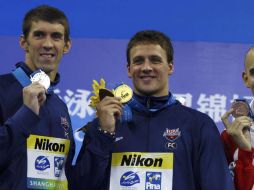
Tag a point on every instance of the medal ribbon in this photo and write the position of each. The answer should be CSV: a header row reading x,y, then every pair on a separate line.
x,y
21,76
133,103
24,80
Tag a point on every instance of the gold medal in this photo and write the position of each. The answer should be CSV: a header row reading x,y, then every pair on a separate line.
x,y
124,92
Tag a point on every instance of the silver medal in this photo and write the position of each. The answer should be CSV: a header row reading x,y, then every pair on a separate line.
x,y
41,77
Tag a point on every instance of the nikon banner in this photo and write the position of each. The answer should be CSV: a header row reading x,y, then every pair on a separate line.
x,y
138,170
46,159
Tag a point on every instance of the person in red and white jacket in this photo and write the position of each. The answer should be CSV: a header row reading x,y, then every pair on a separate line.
x,y
238,137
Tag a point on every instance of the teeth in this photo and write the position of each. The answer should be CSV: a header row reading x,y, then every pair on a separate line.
x,y
47,55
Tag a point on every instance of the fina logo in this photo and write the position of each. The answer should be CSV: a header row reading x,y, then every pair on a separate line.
x,y
129,178
153,181
41,163
58,165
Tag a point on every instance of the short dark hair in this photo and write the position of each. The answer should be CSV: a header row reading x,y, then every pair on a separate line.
x,y
48,14
151,37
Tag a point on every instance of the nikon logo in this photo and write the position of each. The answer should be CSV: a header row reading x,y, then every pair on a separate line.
x,y
44,144
137,160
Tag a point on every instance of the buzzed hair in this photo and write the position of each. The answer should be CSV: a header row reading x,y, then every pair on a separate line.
x,y
151,37
48,14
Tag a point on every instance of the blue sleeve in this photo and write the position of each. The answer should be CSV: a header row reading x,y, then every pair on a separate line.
x,y
69,168
14,131
93,163
214,172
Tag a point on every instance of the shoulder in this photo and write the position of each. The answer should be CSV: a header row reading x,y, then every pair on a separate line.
x,y
194,120
190,113
7,80
10,95
9,86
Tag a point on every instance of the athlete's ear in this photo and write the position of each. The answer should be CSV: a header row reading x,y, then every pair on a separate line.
x,y
128,70
170,68
23,43
246,80
67,47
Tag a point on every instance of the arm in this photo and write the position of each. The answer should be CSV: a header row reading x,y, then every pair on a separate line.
x,y
237,143
214,172
239,130
69,168
93,164
244,170
242,160
16,129
229,146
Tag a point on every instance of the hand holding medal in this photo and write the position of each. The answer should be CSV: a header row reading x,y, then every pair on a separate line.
x,y
240,108
239,129
109,103
123,92
41,77
34,95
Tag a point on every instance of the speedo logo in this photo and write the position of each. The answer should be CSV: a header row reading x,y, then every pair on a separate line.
x,y
45,144
138,160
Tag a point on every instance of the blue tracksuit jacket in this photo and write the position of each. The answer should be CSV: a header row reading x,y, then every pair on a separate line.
x,y
199,160
18,122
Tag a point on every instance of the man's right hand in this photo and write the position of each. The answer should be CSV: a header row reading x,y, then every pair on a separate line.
x,y
239,130
34,96
108,111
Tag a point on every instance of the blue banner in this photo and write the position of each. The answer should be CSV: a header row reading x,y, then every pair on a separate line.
x,y
206,74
